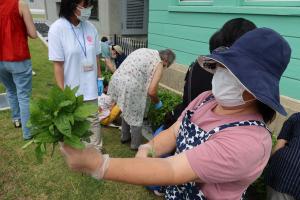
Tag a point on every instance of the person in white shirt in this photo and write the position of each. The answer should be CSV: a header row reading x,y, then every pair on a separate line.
x,y
74,49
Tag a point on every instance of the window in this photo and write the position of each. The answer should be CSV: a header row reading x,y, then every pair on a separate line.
x,y
194,2
271,2
135,17
95,11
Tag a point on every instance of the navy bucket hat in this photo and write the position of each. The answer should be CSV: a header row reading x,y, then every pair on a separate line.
x,y
258,60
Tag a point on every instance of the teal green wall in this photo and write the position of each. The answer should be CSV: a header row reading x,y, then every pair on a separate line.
x,y
186,28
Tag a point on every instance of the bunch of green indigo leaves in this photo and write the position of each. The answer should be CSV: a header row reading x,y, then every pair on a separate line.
x,y
61,117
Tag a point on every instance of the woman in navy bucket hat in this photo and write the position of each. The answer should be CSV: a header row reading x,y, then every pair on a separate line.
x,y
258,63
221,140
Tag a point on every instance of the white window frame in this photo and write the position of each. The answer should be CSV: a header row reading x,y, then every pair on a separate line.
x,y
271,3
195,2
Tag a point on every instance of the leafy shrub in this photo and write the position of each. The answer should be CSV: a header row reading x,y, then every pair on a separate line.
x,y
106,75
170,100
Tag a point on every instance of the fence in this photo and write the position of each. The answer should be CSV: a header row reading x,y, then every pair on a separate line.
x,y
129,44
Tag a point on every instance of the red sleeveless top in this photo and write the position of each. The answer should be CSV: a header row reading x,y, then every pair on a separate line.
x,y
13,33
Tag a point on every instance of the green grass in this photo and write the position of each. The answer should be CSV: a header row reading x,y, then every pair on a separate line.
x,y
21,177
37,16
2,89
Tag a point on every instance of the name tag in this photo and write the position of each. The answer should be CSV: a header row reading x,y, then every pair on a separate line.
x,y
87,66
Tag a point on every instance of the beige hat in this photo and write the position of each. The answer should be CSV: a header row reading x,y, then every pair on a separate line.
x,y
118,49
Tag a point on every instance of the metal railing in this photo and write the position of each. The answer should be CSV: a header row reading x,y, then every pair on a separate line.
x,y
129,44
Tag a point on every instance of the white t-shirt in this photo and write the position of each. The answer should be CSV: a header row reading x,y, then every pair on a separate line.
x,y
66,44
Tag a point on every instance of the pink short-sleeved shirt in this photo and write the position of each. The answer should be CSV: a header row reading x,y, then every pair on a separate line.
x,y
231,159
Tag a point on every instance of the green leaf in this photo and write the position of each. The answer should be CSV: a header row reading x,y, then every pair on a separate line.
x,y
84,111
43,148
75,89
65,103
56,113
47,105
39,153
51,129
70,94
74,142
34,108
36,114
86,136
35,131
71,119
62,123
79,100
67,106
45,137
56,96
81,128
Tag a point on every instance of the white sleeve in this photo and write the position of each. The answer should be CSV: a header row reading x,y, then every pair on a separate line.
x,y
97,43
56,51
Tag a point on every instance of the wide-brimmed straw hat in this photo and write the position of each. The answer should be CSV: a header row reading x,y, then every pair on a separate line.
x,y
118,49
258,60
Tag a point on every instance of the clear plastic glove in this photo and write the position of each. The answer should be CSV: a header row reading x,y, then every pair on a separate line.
x,y
100,86
143,151
158,105
88,160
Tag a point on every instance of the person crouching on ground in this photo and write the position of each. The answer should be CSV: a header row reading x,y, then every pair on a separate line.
x,y
108,110
221,140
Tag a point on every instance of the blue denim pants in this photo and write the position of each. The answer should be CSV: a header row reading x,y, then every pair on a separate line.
x,y
17,79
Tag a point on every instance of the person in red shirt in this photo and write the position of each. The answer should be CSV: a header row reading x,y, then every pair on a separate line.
x,y
16,25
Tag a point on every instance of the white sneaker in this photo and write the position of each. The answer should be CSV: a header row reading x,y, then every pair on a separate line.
x,y
113,125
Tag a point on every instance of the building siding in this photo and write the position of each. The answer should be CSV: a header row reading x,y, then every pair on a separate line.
x,y
36,4
188,32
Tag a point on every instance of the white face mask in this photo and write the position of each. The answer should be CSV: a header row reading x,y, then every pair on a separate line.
x,y
228,91
85,13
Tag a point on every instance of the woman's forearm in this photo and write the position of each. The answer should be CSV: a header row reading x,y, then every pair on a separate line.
x,y
110,65
154,98
59,74
99,72
153,87
150,171
165,142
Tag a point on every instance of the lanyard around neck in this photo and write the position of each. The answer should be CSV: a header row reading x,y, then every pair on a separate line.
x,y
83,47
